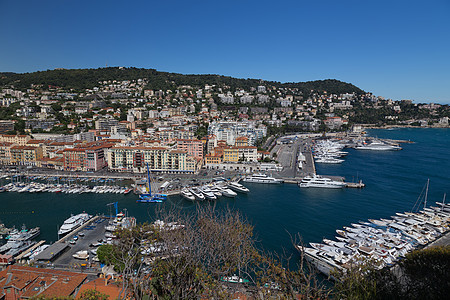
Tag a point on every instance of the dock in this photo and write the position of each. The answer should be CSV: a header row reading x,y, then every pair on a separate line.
x,y
59,247
21,255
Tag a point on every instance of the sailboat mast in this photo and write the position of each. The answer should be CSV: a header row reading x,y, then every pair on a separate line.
x,y
443,201
148,181
426,194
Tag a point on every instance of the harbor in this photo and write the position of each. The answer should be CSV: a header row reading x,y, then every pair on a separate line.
x,y
313,213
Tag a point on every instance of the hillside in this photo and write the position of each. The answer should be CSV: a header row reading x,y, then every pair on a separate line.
x,y
80,79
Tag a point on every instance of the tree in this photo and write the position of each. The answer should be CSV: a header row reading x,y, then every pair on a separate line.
x,y
190,256
93,295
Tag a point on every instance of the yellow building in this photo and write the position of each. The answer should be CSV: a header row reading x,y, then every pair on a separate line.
x,y
25,155
230,154
213,159
20,140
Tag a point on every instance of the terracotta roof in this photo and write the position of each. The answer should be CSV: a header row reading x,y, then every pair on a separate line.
x,y
38,281
102,285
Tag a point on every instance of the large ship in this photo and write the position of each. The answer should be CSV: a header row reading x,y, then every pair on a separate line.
x,y
72,223
262,178
318,181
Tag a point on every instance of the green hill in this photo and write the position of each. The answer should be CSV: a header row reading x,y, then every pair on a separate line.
x,y
80,79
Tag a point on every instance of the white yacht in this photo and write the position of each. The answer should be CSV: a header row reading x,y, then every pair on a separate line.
x,y
226,191
262,178
237,187
185,193
377,146
72,223
197,193
318,181
328,160
208,193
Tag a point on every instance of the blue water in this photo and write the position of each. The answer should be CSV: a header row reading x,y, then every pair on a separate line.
x,y
393,181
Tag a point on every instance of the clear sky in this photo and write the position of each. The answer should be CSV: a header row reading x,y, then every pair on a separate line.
x,y
396,49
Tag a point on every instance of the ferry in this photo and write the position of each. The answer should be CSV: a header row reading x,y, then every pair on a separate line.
x,y
262,178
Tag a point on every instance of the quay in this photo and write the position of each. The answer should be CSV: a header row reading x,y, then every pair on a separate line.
x,y
444,240
60,253
21,255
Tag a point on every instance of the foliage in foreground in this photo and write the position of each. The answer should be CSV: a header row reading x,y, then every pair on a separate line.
x,y
423,274
191,261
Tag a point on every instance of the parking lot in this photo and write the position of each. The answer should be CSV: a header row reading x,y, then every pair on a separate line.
x,y
91,234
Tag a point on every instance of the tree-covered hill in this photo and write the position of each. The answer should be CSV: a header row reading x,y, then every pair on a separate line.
x,y
80,79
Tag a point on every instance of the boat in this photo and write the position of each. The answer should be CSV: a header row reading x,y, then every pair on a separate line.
x,y
262,178
377,145
237,187
317,181
24,234
226,191
208,193
185,193
197,193
329,160
73,222
234,279
84,254
149,197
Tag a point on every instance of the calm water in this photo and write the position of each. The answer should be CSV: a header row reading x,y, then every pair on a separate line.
x,y
393,181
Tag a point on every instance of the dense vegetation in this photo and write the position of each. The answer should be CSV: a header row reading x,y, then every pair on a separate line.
x,y
80,79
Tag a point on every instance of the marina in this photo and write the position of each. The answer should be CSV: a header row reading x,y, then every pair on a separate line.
x,y
313,213
382,242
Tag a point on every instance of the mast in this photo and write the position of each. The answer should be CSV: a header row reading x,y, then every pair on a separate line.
x,y
148,181
426,194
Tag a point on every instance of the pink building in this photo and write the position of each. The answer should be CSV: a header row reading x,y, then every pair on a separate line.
x,y
192,147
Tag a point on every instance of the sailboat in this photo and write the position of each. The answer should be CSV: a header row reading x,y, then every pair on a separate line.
x,y
149,197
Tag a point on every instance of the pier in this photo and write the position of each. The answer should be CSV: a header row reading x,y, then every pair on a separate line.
x,y
21,255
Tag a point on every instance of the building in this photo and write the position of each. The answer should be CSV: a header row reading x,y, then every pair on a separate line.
x,y
105,124
193,148
20,140
230,130
213,159
334,122
46,124
230,154
6,125
158,159
241,141
87,158
25,155
17,282
5,153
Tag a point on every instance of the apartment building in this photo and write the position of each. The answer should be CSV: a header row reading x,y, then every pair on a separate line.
x,y
88,158
135,159
25,155
20,140
192,147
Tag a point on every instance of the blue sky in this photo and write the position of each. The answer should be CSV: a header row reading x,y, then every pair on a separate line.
x,y
396,49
